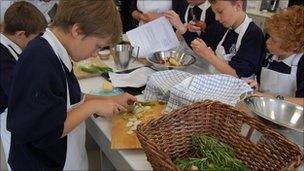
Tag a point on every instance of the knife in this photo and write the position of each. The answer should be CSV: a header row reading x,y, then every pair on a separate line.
x,y
130,108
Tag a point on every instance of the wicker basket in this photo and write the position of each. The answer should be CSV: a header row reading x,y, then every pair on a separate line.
x,y
169,137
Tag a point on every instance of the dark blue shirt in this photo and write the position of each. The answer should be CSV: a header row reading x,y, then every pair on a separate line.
x,y
7,64
37,109
213,28
249,57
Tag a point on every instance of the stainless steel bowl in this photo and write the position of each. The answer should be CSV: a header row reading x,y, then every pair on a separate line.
x,y
277,111
183,58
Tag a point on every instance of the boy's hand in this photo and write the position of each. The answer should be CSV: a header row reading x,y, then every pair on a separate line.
x,y
107,108
270,95
175,21
253,84
149,16
200,47
196,26
124,99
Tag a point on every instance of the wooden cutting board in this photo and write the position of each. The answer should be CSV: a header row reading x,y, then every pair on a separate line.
x,y
81,74
120,139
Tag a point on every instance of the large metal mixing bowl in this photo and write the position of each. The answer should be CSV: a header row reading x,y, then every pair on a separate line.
x,y
277,111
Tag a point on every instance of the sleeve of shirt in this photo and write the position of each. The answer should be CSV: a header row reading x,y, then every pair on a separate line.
x,y
7,64
300,78
248,58
133,5
189,37
37,105
180,8
212,35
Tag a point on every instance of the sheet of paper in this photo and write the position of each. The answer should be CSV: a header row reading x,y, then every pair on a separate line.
x,y
157,35
137,78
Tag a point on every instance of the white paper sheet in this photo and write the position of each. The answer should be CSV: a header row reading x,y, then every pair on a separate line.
x,y
157,35
137,78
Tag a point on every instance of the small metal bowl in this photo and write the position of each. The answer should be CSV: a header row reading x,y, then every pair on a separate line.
x,y
183,58
104,54
280,112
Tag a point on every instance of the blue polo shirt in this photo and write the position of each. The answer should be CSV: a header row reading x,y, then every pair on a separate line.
x,y
37,108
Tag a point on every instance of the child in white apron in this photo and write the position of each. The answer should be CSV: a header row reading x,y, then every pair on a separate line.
x,y
282,74
13,40
240,51
46,110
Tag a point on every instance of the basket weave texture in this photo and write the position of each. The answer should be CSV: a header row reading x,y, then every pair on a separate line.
x,y
169,137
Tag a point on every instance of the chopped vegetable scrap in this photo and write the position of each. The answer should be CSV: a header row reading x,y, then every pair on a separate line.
x,y
135,113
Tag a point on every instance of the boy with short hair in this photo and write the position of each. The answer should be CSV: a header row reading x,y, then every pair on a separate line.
x,y
52,134
240,51
22,22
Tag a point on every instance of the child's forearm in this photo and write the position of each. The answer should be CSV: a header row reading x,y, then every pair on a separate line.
x,y
77,115
221,65
299,101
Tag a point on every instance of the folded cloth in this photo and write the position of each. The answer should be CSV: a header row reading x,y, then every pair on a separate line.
x,y
160,83
136,78
220,87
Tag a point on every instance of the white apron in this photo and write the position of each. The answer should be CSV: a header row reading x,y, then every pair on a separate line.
x,y
76,156
280,83
5,136
220,50
158,6
283,84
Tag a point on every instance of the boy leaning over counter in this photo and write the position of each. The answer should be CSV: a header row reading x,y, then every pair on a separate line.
x,y
240,51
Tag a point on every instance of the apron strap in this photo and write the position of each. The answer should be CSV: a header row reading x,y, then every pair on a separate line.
x,y
294,63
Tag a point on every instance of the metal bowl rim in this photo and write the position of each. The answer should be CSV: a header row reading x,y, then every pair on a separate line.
x,y
268,118
174,67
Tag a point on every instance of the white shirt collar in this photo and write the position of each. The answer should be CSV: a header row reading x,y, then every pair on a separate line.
x,y
204,6
289,60
244,23
9,45
58,48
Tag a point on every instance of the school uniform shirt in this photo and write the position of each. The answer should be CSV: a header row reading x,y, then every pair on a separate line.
x,y
204,13
248,58
9,53
284,67
37,107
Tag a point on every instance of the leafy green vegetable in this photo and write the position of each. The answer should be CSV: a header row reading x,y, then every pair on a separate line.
x,y
93,69
216,156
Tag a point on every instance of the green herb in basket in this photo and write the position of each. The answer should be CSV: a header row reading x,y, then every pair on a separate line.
x,y
216,156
